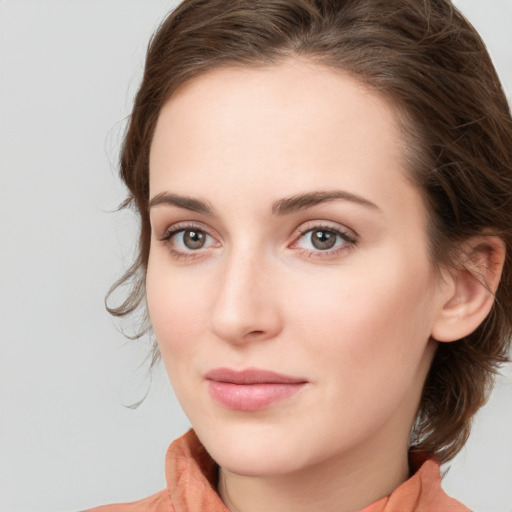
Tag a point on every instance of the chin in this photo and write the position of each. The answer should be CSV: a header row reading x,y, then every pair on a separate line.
x,y
253,450
255,461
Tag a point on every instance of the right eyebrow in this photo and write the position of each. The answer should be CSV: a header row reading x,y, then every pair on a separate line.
x,y
187,203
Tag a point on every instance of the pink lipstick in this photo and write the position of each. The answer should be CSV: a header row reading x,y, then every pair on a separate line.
x,y
251,389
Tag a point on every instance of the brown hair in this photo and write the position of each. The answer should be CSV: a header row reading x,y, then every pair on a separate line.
x,y
426,58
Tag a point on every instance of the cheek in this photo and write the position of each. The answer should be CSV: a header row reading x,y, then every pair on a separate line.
x,y
379,318
176,305
363,338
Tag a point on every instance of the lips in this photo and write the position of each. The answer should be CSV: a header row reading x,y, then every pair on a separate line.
x,y
251,389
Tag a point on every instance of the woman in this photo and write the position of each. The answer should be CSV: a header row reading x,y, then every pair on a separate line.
x,y
325,250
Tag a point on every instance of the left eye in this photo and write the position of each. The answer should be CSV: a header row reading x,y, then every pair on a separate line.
x,y
321,239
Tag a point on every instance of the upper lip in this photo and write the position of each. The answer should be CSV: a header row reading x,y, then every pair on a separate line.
x,y
251,376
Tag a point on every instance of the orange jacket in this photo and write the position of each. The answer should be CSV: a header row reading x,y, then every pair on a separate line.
x,y
190,474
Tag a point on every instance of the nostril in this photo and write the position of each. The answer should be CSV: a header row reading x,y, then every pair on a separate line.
x,y
255,334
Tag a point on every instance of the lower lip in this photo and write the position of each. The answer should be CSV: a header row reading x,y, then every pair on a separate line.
x,y
251,397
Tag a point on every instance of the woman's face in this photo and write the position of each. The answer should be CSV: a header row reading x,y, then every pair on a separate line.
x,y
289,282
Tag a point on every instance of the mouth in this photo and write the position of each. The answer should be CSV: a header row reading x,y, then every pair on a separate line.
x,y
251,389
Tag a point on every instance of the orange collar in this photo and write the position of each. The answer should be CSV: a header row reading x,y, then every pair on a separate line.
x,y
191,478
192,474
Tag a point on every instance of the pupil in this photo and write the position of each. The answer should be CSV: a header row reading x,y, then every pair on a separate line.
x,y
194,239
323,239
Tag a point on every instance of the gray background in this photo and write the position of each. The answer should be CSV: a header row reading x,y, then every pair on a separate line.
x,y
68,73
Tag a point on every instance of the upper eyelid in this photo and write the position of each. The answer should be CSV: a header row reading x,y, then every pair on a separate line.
x,y
347,238
183,226
327,225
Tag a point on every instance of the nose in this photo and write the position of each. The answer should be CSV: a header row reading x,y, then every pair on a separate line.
x,y
247,305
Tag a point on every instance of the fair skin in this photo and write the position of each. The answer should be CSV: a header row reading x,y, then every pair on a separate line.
x,y
336,292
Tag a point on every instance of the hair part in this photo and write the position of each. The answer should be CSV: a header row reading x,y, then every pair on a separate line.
x,y
430,63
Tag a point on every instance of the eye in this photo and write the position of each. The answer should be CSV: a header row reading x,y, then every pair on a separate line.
x,y
320,239
192,239
182,241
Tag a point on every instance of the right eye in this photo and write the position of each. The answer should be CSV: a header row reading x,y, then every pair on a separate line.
x,y
184,242
190,239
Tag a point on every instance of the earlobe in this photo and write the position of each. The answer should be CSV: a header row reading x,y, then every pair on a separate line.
x,y
471,288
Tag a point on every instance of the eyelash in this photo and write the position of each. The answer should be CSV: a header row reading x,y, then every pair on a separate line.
x,y
172,231
349,239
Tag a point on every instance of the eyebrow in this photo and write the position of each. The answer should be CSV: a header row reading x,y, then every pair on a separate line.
x,y
187,203
301,202
285,206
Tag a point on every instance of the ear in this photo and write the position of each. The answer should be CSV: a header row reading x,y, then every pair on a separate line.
x,y
470,288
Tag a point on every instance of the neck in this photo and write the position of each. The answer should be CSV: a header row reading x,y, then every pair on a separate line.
x,y
344,483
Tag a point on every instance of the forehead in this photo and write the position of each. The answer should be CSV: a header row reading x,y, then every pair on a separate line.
x,y
293,125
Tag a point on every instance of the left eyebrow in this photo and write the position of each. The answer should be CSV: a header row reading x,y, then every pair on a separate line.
x,y
301,202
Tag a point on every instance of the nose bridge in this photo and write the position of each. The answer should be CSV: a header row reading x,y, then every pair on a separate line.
x,y
246,307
